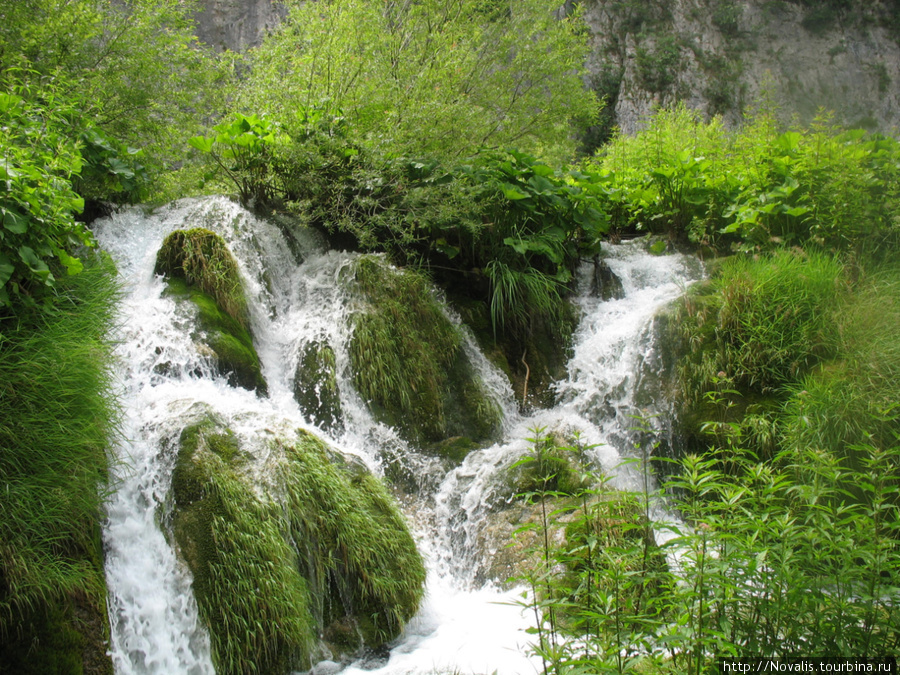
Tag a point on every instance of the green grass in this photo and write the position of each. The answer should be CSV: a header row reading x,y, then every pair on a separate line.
x,y
57,419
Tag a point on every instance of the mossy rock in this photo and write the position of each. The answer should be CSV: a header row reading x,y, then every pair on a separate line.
x,y
249,592
316,387
604,282
201,258
532,363
321,549
226,342
408,360
355,543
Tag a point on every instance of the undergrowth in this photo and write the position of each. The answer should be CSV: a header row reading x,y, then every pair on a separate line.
x,y
769,558
57,419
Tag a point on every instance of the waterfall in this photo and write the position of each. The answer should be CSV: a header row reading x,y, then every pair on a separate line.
x,y
467,623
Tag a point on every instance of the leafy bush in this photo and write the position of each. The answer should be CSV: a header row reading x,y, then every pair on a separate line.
x,y
754,189
771,559
37,201
418,79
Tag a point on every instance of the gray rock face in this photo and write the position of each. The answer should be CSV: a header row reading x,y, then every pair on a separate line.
x,y
725,56
237,24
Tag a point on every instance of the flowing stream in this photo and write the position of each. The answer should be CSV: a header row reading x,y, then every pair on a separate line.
x,y
466,624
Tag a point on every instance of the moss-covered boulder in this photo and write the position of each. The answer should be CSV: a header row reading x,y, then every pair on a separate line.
x,y
408,360
316,387
319,550
200,269
355,548
202,259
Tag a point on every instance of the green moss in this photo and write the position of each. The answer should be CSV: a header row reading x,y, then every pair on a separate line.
x,y
408,362
249,591
202,259
230,344
322,551
316,387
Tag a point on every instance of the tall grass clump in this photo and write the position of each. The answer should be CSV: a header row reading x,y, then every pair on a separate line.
x,y
851,399
777,316
249,591
58,417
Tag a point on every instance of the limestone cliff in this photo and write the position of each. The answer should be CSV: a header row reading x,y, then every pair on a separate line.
x,y
236,24
724,56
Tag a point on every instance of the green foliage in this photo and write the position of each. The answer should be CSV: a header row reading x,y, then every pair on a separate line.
x,y
316,387
242,149
277,566
353,543
37,201
598,594
430,78
785,351
754,189
841,405
249,591
536,233
134,67
777,316
112,171
229,345
656,67
726,16
774,559
57,419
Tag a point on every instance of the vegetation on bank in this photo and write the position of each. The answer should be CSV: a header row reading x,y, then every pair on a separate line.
x,y
786,389
57,419
773,557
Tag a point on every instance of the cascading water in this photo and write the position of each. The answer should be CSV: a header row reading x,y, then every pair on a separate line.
x,y
466,624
